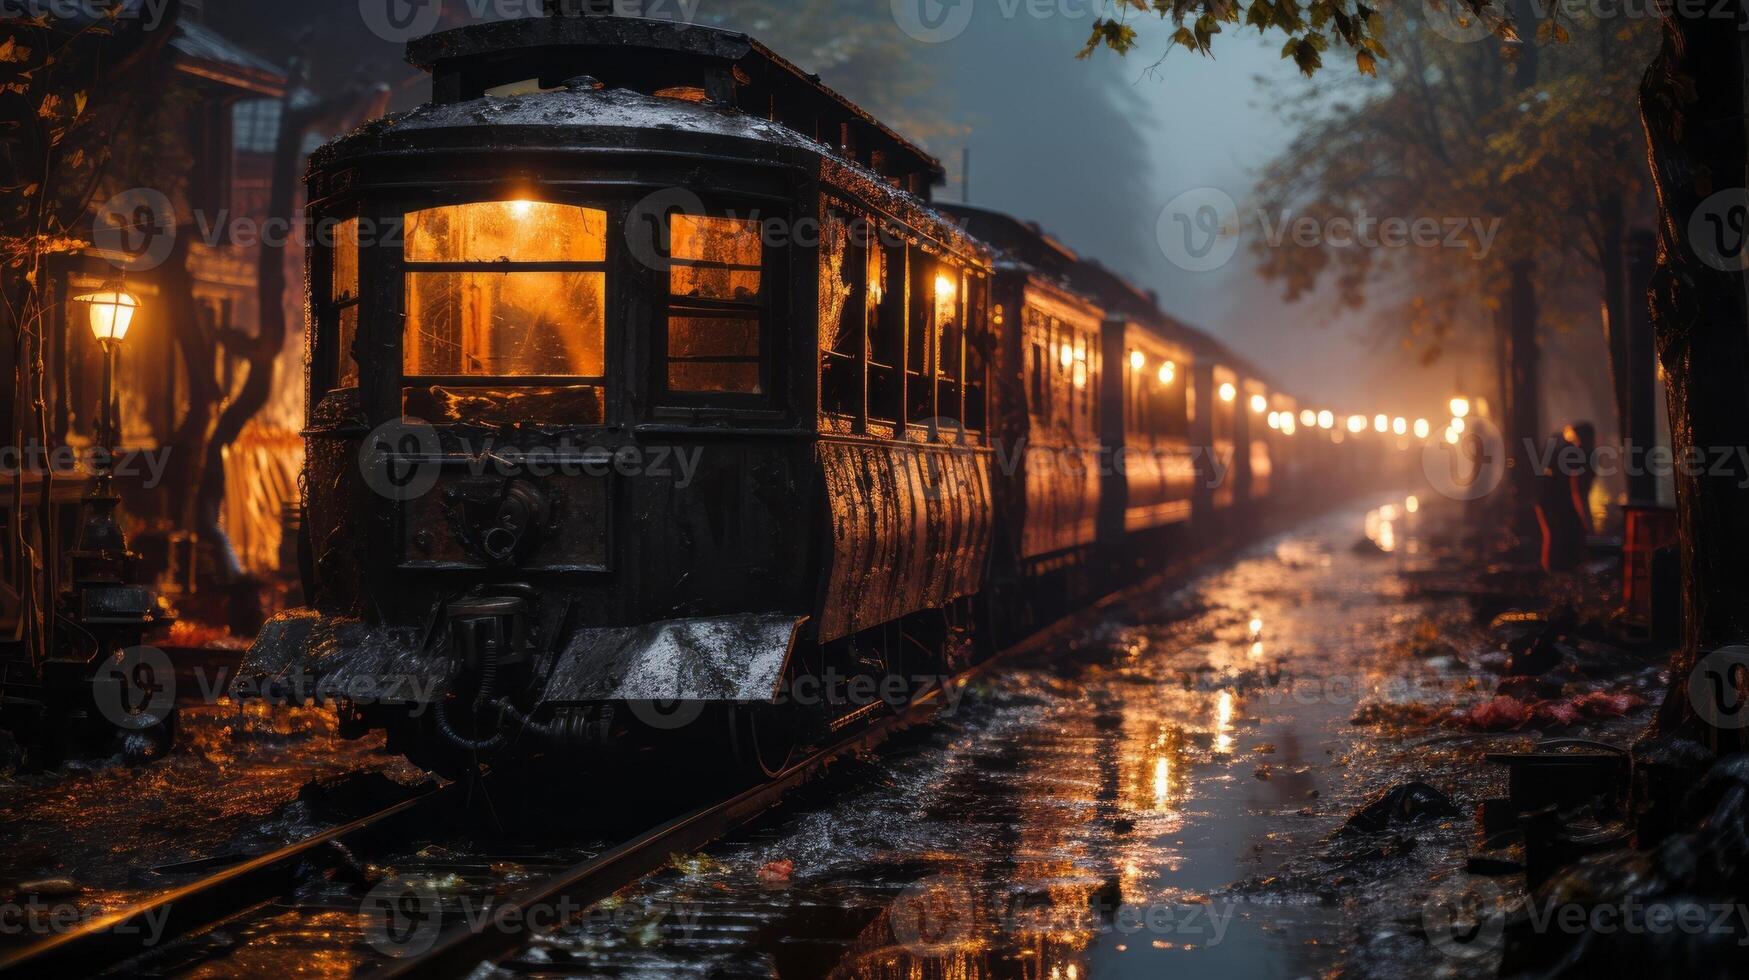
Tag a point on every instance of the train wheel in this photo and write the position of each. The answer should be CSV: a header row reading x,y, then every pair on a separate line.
x,y
764,737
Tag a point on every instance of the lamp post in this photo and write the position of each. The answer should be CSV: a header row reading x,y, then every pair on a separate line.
x,y
102,546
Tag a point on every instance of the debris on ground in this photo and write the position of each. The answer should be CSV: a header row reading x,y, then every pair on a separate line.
x,y
1404,803
776,872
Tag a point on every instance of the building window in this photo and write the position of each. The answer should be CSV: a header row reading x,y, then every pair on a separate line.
x,y
714,305
506,289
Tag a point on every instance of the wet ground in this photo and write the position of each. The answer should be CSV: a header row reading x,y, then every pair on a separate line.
x,y
1159,796
1160,792
89,835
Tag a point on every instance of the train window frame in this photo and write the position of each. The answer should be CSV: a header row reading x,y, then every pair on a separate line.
x,y
759,310
885,361
843,376
602,267
331,307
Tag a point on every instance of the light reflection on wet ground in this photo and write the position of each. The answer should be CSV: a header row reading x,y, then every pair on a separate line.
x,y
231,786
1156,797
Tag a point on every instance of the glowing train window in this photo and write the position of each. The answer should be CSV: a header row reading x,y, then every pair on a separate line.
x,y
714,308
479,306
343,298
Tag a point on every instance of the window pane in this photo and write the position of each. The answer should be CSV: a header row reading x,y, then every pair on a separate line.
x,y
731,247
505,324
515,231
348,373
712,337
732,377
344,285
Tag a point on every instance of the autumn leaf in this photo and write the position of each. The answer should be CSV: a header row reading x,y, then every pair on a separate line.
x,y
11,50
1364,61
78,103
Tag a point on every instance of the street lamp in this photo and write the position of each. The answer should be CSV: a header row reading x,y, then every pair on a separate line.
x,y
102,546
111,311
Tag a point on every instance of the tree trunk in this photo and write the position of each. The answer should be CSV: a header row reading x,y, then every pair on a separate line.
x,y
1692,101
1616,323
1524,419
262,351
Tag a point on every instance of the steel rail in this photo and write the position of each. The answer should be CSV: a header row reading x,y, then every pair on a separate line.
x,y
108,941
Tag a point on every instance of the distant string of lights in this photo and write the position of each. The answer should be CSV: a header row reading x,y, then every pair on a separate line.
x,y
1287,422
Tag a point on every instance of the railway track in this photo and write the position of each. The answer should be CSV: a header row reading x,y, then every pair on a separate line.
x,y
154,927
107,941
150,928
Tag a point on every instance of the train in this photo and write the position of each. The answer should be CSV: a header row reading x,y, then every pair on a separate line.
x,y
649,388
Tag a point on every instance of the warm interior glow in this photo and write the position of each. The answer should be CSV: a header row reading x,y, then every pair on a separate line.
x,y
1287,423
1275,420
515,322
1168,371
1380,423
945,287
1228,392
1452,436
1400,425
1422,428
1457,426
1256,625
111,312
1460,407
1356,423
1308,418
1066,356
1412,504
1138,360
1326,419
1259,403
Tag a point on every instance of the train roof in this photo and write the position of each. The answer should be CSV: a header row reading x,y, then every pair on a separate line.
x,y
1027,243
725,68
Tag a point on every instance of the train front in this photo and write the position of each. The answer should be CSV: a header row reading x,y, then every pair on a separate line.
x,y
558,479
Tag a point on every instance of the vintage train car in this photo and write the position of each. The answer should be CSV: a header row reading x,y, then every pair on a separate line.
x,y
646,384
1050,369
641,380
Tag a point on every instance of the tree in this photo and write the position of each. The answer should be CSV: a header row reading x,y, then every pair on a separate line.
x,y
1692,103
57,145
1442,131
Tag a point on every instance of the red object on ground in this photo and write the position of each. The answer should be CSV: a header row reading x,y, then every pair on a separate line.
x,y
1504,711
776,872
